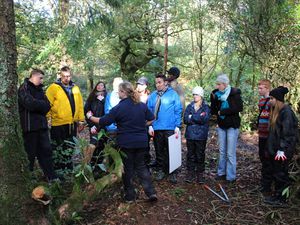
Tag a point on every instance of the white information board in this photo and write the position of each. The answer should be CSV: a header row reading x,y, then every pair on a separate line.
x,y
174,152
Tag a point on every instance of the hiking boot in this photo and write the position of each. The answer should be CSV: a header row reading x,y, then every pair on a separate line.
x,y
275,201
160,175
190,177
152,198
219,178
200,178
173,178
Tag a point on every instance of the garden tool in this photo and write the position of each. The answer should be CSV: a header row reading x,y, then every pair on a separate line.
x,y
225,198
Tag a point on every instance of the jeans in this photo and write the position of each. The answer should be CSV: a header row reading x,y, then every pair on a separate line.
x,y
227,139
134,163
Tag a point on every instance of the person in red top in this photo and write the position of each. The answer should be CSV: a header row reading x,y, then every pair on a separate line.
x,y
264,106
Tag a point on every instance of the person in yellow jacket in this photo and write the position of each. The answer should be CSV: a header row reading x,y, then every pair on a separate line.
x,y
65,117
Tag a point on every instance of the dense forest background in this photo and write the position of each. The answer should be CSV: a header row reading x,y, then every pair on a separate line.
x,y
100,40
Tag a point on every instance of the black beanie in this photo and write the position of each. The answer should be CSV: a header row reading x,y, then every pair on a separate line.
x,y
279,93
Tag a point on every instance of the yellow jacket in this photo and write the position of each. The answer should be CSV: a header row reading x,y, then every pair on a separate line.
x,y
61,111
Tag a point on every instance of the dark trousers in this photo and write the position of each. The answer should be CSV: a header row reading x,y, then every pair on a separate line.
x,y
134,163
280,175
60,134
37,144
266,164
162,149
196,155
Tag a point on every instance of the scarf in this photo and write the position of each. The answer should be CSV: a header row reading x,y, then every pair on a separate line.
x,y
158,101
222,96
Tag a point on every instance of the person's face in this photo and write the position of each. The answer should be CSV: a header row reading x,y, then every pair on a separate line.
x,y
160,84
221,86
262,90
141,87
65,77
37,79
197,98
100,87
273,101
122,94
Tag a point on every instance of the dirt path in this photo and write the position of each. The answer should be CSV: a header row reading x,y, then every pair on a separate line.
x,y
191,204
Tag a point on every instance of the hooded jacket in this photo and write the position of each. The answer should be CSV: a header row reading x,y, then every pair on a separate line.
x,y
196,121
232,118
33,107
65,108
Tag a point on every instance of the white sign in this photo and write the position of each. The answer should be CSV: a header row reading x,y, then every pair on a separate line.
x,y
174,152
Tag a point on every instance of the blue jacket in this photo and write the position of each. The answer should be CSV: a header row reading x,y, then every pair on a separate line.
x,y
169,114
112,99
197,123
131,120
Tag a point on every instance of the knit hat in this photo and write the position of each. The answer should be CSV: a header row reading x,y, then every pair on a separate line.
x,y
198,91
279,93
174,71
142,81
223,78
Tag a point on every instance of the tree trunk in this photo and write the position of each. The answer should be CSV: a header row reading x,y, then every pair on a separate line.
x,y
64,12
14,182
166,36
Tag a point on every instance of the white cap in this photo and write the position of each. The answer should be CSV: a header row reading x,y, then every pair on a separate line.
x,y
223,78
198,91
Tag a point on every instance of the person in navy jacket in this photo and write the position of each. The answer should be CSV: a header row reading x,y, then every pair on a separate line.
x,y
131,117
165,104
196,118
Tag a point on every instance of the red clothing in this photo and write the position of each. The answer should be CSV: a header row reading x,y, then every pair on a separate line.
x,y
263,120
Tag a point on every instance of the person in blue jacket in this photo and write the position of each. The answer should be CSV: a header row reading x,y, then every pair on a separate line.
x,y
165,104
131,117
196,118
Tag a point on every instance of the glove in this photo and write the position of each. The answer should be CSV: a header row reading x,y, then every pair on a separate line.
x,y
203,114
190,116
94,130
151,131
89,114
280,155
176,131
100,97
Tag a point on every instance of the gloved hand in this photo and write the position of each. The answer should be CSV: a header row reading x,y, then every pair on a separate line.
x,y
89,114
94,130
203,114
190,116
280,155
176,131
151,131
100,97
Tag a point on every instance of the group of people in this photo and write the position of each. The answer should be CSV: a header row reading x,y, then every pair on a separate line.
x,y
132,116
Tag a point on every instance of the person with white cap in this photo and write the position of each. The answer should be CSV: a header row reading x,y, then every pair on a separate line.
x,y
226,104
196,117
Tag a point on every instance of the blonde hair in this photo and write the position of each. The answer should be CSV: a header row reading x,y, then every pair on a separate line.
x,y
127,87
274,113
266,83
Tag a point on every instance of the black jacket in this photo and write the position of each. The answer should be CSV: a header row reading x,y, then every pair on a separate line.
x,y
285,135
33,107
232,118
97,108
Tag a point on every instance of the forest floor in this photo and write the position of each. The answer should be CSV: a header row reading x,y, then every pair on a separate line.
x,y
184,203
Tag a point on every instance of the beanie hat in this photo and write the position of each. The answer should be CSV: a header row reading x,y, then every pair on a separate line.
x,y
198,91
142,81
279,93
223,78
174,71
